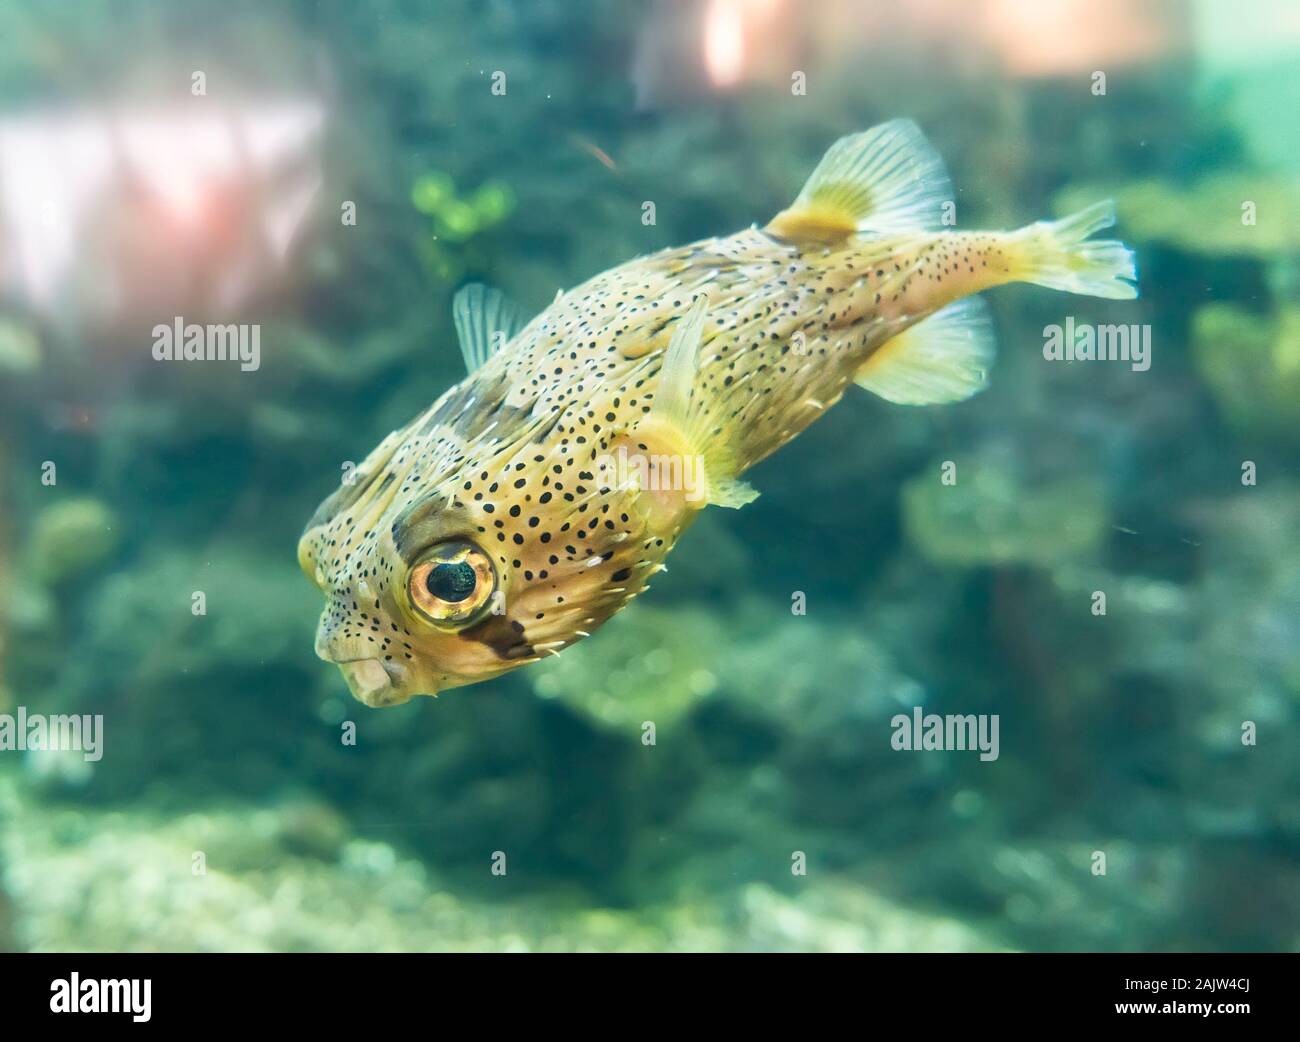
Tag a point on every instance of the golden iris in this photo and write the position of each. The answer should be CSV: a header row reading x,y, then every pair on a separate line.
x,y
451,583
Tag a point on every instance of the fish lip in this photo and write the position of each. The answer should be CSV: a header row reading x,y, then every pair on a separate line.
x,y
374,682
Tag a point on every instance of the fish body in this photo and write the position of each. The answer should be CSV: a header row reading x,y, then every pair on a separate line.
x,y
537,497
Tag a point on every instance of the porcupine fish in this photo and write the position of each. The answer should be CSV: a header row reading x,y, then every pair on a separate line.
x,y
535,498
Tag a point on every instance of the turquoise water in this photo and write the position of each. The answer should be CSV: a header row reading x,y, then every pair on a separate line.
x,y
1097,558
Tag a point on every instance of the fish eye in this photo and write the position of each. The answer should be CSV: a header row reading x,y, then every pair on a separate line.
x,y
451,583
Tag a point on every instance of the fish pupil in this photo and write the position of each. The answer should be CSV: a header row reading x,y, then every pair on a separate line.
x,y
451,582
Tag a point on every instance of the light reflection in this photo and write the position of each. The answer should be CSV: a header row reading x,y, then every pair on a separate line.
x,y
724,42
114,213
687,48
730,29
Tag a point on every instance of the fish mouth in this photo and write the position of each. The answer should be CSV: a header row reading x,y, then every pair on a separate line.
x,y
374,682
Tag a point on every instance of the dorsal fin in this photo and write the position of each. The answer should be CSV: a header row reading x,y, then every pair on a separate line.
x,y
885,180
486,320
943,358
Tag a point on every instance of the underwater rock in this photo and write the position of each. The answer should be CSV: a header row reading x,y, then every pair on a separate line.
x,y
61,771
993,513
130,881
1043,889
8,940
20,350
27,605
1206,217
1250,606
224,606
310,827
165,645
843,918
1251,365
709,558
71,537
649,665
8,926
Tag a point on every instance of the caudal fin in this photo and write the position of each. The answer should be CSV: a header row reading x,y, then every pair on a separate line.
x,y
1057,254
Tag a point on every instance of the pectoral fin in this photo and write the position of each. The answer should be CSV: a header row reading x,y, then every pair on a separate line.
x,y
680,428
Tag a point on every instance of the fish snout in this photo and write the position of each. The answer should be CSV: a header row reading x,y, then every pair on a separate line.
x,y
372,681
376,683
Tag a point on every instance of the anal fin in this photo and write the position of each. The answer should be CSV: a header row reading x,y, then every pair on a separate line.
x,y
943,358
